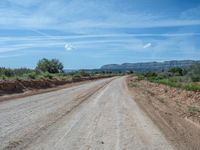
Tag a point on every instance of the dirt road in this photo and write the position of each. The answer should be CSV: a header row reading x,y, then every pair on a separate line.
x,y
100,115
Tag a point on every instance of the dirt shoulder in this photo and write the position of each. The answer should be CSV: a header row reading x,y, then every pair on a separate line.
x,y
176,112
22,88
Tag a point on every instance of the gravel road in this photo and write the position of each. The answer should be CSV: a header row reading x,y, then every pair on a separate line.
x,y
99,115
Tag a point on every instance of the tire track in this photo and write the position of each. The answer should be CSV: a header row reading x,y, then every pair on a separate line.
x,y
41,125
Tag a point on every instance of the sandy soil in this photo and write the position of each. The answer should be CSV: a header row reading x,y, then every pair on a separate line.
x,y
174,111
96,115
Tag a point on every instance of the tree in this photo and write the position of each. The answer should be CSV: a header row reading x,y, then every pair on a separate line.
x,y
51,66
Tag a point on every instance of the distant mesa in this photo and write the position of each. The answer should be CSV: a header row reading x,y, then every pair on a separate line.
x,y
149,66
69,70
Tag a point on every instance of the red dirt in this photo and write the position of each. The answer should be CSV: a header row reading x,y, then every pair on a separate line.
x,y
12,89
175,111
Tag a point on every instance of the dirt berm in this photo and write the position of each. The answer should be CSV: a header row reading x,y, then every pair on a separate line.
x,y
176,112
20,86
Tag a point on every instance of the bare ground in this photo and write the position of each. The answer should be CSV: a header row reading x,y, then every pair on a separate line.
x,y
96,115
31,92
174,111
26,87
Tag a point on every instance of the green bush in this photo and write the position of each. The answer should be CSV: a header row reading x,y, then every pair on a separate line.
x,y
3,77
150,74
76,77
185,86
51,66
32,75
164,75
84,74
11,73
47,75
192,87
176,77
194,73
140,77
177,71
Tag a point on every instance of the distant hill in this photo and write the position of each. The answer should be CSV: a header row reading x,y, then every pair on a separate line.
x,y
69,70
148,66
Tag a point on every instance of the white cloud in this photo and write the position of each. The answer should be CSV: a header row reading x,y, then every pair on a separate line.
x,y
147,45
69,47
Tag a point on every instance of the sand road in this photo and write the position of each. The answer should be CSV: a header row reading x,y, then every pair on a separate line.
x,y
99,115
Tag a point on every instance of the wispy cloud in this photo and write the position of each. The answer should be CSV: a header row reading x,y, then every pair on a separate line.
x,y
147,45
112,29
104,41
12,55
26,46
88,15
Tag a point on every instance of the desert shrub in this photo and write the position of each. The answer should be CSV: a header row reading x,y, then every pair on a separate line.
x,y
18,78
192,87
164,75
194,73
174,79
63,74
168,82
185,86
140,77
184,79
22,71
76,76
32,75
3,77
47,75
84,74
177,71
7,72
150,74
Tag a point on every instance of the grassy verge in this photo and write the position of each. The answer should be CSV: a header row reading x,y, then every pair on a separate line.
x,y
172,82
59,76
185,86
19,84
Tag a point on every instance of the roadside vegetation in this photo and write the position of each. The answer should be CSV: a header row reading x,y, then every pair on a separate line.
x,y
187,79
175,110
48,69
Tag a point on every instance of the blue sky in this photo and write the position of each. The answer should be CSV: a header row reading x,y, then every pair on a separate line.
x,y
91,33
